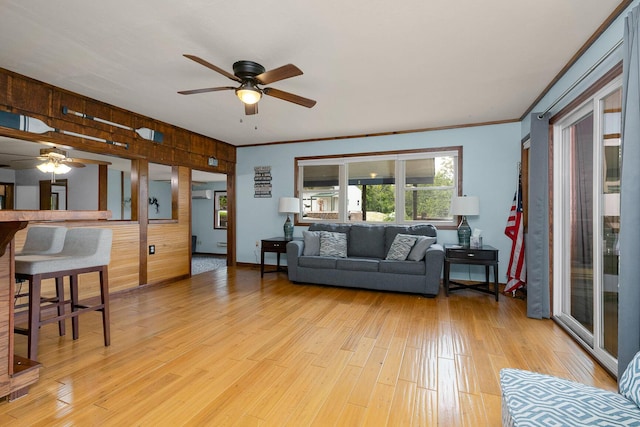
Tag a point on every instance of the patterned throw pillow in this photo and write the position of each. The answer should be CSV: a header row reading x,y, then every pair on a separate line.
x,y
629,384
401,247
333,244
311,243
419,250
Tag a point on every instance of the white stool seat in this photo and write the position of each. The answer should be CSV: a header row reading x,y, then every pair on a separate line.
x,y
43,240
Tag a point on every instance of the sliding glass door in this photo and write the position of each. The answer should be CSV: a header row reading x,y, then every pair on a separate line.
x,y
586,222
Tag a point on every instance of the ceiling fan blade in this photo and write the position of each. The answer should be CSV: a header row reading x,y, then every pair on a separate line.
x,y
286,96
277,74
209,89
250,109
80,163
212,67
73,164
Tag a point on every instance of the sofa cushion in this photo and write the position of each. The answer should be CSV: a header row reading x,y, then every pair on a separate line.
x,y
532,399
311,243
629,384
423,230
401,247
419,249
366,241
357,264
402,267
334,228
333,244
390,232
317,262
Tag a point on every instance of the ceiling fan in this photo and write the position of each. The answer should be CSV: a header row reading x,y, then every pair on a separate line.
x,y
55,161
251,74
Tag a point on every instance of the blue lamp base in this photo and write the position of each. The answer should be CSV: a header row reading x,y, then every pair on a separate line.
x,y
288,229
464,233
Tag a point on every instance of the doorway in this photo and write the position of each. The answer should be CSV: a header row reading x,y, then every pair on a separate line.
x,y
586,176
208,221
53,195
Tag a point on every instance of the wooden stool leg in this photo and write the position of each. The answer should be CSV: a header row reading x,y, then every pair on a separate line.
x,y
104,295
34,317
60,304
73,281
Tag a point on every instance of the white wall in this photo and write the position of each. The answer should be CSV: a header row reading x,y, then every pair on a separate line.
x,y
82,188
602,45
202,221
490,155
115,198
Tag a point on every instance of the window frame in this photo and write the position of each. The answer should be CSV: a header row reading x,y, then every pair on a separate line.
x,y
399,156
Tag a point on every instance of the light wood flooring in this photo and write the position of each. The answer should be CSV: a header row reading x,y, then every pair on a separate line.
x,y
226,348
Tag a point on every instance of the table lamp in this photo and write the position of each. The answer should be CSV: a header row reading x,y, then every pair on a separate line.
x,y
465,205
288,205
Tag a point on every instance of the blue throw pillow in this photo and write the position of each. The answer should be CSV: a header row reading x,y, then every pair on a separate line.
x,y
401,247
333,244
629,384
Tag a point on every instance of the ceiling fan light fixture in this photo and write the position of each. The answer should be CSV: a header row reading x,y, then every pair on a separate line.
x,y
61,168
248,93
53,167
46,167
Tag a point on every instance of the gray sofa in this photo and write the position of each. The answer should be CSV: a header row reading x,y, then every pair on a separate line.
x,y
366,264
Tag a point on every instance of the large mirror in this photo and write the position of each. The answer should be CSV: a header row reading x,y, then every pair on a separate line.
x,y
41,176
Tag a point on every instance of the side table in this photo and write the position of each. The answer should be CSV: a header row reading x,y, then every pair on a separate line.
x,y
485,255
272,244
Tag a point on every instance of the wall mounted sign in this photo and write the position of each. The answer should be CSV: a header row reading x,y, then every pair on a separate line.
x,y
262,182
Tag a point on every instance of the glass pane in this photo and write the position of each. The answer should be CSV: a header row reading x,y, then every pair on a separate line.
x,y
611,219
422,205
160,194
371,192
430,183
581,221
320,192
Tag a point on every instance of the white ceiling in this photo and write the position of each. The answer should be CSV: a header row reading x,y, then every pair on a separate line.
x,y
373,66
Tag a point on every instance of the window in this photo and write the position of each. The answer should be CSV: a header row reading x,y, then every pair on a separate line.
x,y
401,187
220,209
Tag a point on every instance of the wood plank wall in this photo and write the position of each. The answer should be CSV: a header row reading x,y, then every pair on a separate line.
x,y
130,265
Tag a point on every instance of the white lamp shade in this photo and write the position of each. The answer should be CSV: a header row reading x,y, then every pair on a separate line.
x,y
612,204
289,205
466,205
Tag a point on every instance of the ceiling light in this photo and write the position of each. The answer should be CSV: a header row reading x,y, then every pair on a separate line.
x,y
248,93
53,167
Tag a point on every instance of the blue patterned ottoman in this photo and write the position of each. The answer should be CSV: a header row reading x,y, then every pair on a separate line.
x,y
531,399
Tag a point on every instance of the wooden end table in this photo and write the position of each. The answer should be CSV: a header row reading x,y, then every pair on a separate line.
x,y
272,244
485,255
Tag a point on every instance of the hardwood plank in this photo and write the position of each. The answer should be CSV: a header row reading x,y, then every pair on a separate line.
x,y
227,348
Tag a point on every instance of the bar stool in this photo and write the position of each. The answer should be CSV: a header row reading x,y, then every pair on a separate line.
x,y
45,240
85,250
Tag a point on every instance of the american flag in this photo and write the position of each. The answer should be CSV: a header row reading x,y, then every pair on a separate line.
x,y
517,271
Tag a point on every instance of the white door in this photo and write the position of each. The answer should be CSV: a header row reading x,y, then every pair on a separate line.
x,y
586,222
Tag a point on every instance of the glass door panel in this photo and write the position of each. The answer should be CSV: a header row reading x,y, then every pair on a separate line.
x,y
580,229
587,153
610,220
